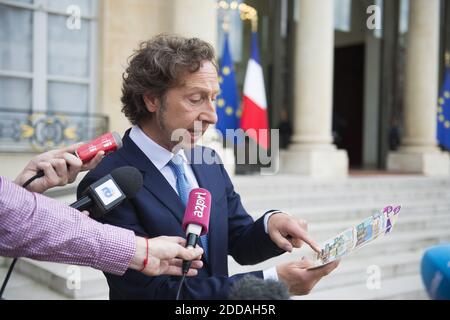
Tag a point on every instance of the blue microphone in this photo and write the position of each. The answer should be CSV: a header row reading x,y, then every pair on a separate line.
x,y
435,270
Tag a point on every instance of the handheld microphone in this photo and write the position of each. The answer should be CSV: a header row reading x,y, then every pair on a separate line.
x,y
435,270
108,142
250,287
101,196
108,192
196,219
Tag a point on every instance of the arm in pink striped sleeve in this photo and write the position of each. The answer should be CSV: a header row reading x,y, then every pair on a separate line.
x,y
37,227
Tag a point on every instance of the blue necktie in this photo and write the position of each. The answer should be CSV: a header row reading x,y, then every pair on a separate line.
x,y
183,188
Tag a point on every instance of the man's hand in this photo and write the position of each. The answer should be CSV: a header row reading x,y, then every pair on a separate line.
x,y
165,256
60,167
299,279
288,232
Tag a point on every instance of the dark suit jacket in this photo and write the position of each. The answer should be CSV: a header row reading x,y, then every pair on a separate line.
x,y
157,210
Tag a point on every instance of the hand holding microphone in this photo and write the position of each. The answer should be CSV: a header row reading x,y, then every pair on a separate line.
x,y
196,219
195,224
164,256
60,167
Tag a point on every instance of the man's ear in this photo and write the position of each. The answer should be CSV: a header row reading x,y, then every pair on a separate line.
x,y
151,102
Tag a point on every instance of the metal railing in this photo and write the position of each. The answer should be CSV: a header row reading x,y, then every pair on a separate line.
x,y
22,131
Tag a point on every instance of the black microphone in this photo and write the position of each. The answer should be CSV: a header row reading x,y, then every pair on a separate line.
x,y
108,192
253,288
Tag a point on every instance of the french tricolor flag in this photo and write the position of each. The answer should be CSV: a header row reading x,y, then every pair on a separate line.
x,y
254,114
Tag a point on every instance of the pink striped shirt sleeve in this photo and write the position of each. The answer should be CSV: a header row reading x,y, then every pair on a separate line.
x,y
37,227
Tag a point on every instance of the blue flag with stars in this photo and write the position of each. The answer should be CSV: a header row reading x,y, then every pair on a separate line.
x,y
443,123
228,111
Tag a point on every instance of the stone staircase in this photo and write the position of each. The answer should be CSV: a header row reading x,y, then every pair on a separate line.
x,y
329,207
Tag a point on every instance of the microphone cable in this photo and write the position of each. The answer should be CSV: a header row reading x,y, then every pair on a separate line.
x,y
180,286
38,175
191,241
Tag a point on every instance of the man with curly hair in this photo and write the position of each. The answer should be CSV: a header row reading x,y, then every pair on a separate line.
x,y
169,91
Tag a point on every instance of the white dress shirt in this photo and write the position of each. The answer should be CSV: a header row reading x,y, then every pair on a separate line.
x,y
160,157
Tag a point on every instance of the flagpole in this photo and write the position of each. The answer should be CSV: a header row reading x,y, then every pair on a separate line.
x,y
226,21
254,22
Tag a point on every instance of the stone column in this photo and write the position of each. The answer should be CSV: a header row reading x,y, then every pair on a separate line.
x,y
312,152
419,152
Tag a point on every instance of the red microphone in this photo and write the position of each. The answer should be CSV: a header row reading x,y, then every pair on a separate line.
x,y
196,219
108,142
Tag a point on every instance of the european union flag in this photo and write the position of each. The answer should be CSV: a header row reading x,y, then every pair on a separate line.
x,y
228,111
443,123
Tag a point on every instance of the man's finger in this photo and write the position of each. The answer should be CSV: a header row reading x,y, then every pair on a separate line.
x,y
72,148
49,172
60,166
74,165
176,271
195,264
297,243
281,242
296,232
303,224
188,253
325,269
175,239
94,161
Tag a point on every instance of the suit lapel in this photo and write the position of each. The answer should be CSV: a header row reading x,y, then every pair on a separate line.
x,y
154,181
205,178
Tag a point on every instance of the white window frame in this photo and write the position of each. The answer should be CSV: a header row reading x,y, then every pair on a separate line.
x,y
39,75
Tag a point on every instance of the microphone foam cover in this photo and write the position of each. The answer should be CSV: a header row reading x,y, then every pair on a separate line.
x,y
435,270
129,180
198,209
250,287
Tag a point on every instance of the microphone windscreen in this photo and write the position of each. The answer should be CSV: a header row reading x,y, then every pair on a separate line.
x,y
198,209
129,180
435,269
252,288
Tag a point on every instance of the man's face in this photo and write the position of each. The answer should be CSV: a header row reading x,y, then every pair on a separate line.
x,y
182,106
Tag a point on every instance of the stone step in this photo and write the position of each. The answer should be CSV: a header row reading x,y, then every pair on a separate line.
x,y
329,207
342,212
358,271
405,223
21,287
401,287
273,183
74,282
291,200
281,192
388,246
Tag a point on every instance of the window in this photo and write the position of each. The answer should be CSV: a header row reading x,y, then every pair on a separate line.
x,y
47,55
47,74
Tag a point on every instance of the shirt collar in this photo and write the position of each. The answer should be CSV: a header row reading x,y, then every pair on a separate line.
x,y
158,155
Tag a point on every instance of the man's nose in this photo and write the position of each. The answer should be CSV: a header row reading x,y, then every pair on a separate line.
x,y
209,114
